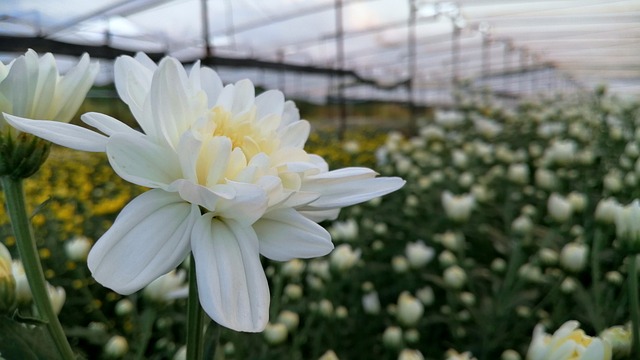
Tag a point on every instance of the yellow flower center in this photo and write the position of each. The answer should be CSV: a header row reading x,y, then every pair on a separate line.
x,y
244,132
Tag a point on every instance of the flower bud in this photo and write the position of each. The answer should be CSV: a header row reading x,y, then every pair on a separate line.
x,y
116,347
408,354
628,226
418,254
522,225
293,268
77,248
371,303
559,208
329,355
620,339
606,211
275,334
410,309
8,298
457,207
392,337
343,257
167,287
293,291
426,295
290,319
23,291
124,307
573,256
510,355
454,277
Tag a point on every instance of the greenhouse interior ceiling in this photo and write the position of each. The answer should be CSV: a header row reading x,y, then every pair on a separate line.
x,y
386,50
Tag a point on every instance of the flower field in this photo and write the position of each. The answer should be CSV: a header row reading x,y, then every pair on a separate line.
x,y
507,221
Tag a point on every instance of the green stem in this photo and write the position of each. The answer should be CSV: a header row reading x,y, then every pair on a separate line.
x,y
634,304
17,209
195,348
596,274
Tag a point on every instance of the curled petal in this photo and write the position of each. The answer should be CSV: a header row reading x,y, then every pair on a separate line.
x,y
348,186
232,285
285,234
149,238
60,133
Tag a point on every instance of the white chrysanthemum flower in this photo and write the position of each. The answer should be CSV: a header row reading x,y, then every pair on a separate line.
x,y
230,182
567,343
43,93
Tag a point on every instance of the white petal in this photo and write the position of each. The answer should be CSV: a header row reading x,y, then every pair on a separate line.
x,y
195,194
143,162
106,123
169,100
73,87
321,215
285,234
133,80
243,97
44,93
246,207
290,114
270,102
232,286
211,84
149,238
345,187
295,135
60,133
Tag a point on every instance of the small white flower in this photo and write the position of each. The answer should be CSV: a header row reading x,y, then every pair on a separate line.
x,y
627,221
392,337
344,257
567,343
606,210
457,207
371,303
418,254
455,277
275,334
409,354
559,208
116,347
167,287
77,248
574,256
409,309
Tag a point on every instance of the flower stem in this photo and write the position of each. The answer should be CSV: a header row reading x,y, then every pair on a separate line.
x,y
634,303
195,348
17,209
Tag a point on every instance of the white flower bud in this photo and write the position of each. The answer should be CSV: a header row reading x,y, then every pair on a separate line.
x,y
426,295
606,210
573,256
447,258
457,207
371,303
619,337
498,265
454,277
329,355
400,264
412,336
578,201
614,277
522,225
546,179
124,307
568,285
77,248
23,291
548,257
409,310
518,173
167,287
510,355
559,208
293,291
293,268
408,354
392,337
628,226
116,347
344,230
290,319
275,334
343,257
418,254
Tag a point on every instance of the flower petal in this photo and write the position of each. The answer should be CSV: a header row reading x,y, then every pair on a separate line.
x,y
232,286
246,207
285,234
142,162
348,186
73,87
149,238
270,102
107,124
60,133
133,79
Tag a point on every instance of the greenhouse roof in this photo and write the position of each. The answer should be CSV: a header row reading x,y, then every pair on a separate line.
x,y
515,47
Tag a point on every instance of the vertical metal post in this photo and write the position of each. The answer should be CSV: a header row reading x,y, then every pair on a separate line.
x,y
455,56
486,56
411,67
204,10
505,64
342,107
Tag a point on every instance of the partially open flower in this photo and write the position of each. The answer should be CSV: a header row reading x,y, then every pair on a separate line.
x,y
628,226
567,343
